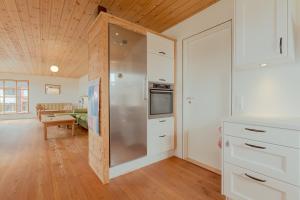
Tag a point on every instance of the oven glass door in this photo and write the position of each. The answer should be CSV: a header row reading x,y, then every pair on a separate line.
x,y
161,102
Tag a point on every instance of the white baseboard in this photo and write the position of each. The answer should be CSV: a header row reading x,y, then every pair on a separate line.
x,y
209,168
137,164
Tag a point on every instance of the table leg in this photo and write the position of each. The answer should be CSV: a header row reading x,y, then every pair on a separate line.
x,y
73,127
45,131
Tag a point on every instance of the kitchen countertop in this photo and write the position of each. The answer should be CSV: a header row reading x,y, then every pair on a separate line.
x,y
276,122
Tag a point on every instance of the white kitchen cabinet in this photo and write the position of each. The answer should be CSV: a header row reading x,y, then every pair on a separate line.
x,y
263,32
160,135
160,68
243,184
261,159
160,45
160,59
279,136
271,160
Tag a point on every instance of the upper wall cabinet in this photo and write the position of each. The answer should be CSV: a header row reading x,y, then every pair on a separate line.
x,y
160,59
263,32
160,68
159,45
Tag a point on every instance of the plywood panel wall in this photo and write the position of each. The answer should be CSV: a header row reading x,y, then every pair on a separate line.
x,y
98,68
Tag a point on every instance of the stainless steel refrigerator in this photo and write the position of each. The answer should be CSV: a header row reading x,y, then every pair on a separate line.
x,y
128,95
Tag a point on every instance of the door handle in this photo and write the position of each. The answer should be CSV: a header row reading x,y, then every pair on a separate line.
x,y
280,45
256,179
189,99
145,89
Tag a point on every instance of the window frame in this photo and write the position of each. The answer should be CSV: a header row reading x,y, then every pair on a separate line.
x,y
17,96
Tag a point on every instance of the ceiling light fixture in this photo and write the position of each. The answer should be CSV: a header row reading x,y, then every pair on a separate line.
x,y
54,68
263,65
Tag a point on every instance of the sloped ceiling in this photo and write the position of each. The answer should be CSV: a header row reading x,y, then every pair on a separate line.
x,y
34,34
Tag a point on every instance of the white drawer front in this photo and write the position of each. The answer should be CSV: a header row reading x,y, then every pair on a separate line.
x,y
278,136
160,135
162,143
160,45
279,162
241,184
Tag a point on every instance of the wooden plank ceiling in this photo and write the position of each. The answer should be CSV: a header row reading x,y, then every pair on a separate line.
x,y
34,34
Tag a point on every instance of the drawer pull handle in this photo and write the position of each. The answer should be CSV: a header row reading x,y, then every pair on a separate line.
x,y
162,52
256,179
255,130
162,79
254,146
162,121
161,136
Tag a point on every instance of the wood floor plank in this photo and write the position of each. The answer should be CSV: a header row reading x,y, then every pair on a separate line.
x,y
57,169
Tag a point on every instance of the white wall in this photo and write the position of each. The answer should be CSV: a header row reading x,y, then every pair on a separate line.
x,y
69,92
270,91
83,85
210,17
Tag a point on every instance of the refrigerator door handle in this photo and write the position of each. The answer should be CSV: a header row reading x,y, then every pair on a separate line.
x,y
145,89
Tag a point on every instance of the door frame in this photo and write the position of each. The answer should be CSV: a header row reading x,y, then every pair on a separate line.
x,y
184,134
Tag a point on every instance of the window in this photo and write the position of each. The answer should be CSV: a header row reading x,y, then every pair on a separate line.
x,y
14,96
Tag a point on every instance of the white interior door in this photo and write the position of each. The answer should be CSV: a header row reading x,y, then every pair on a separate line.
x,y
206,93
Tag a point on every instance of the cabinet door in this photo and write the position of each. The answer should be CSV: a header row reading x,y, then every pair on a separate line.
x,y
261,31
160,135
160,45
160,68
242,184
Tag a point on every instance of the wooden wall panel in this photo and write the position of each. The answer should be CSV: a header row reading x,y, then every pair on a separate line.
x,y
98,68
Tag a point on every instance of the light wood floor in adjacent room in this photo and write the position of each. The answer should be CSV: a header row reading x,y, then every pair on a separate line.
x,y
34,169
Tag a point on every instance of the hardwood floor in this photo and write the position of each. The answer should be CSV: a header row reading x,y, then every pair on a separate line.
x,y
34,169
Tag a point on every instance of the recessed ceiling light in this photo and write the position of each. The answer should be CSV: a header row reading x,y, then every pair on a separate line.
x,y
116,33
263,65
54,68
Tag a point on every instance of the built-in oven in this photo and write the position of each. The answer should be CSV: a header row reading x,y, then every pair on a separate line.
x,y
160,100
